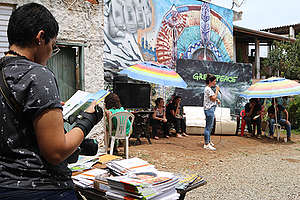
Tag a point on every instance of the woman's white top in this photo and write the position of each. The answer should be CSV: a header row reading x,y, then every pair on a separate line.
x,y
207,103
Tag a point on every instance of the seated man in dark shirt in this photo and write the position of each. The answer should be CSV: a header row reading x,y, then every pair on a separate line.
x,y
252,110
280,120
174,116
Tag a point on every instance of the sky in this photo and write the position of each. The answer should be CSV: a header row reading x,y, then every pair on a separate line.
x,y
260,14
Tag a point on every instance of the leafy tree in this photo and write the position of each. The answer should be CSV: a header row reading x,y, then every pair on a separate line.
x,y
285,59
294,111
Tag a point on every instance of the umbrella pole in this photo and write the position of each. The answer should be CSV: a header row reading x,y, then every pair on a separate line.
x,y
276,127
164,95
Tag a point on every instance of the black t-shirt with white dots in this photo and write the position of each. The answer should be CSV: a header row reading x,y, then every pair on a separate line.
x,y
21,164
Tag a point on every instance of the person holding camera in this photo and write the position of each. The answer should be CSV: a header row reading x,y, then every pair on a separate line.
x,y
33,144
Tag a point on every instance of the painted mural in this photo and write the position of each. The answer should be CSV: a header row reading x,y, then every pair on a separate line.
x,y
164,31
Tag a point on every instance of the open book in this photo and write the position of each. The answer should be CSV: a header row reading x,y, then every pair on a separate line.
x,y
81,101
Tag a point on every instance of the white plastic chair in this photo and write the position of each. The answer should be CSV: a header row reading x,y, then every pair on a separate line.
x,y
277,130
119,132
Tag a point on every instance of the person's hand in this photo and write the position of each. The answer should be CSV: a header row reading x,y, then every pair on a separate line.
x,y
217,88
89,118
91,108
128,16
96,110
164,120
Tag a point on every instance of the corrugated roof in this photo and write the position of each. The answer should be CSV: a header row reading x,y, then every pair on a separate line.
x,y
263,36
279,27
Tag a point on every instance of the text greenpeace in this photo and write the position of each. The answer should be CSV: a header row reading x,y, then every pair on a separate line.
x,y
220,78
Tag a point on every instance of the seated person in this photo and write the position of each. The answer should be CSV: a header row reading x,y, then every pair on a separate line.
x,y
112,106
253,116
174,116
159,118
280,120
170,100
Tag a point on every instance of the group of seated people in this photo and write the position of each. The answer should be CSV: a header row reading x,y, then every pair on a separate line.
x,y
163,117
168,116
254,112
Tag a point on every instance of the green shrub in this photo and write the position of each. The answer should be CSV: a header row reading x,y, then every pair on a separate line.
x,y
294,112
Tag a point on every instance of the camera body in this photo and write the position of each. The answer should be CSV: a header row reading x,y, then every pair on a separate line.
x,y
88,147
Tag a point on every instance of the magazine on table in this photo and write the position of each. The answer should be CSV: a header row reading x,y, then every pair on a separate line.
x,y
131,165
147,185
86,179
81,101
83,163
187,180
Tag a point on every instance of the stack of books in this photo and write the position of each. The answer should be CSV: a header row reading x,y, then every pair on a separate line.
x,y
86,179
143,185
131,165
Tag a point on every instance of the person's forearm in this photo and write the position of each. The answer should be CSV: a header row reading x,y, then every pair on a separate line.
x,y
72,140
177,111
214,97
64,149
250,112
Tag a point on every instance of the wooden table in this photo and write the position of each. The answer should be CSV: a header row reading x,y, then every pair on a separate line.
x,y
141,125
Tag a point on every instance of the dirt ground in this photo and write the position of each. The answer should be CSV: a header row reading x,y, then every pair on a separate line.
x,y
175,154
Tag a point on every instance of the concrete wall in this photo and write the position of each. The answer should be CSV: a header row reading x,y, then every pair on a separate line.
x,y
80,22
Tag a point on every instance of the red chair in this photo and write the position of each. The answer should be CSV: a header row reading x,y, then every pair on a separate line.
x,y
243,124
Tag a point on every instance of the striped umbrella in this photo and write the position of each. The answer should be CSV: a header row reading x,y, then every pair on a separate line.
x,y
271,88
154,73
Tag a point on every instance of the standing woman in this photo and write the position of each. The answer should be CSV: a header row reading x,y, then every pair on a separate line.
x,y
33,145
159,118
209,104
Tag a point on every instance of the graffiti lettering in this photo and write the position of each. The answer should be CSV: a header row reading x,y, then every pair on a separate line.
x,y
199,76
220,78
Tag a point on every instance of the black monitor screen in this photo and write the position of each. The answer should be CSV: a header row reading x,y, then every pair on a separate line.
x,y
133,95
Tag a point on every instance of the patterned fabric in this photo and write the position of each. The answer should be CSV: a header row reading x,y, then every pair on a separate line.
x,y
21,164
158,113
207,103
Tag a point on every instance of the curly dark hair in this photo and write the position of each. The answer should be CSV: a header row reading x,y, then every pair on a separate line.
x,y
176,97
210,78
157,101
112,101
26,22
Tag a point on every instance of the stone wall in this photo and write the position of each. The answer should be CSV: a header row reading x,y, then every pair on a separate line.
x,y
80,22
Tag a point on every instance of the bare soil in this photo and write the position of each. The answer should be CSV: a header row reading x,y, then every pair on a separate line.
x,y
177,154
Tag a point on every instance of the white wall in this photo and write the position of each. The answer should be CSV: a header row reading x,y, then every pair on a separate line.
x,y
82,23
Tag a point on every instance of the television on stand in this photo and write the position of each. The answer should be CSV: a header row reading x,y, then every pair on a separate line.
x,y
133,95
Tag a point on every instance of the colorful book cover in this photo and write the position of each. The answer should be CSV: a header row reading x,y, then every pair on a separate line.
x,y
81,101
